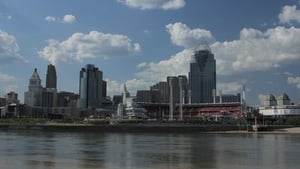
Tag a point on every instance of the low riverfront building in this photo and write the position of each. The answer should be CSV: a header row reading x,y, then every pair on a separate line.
x,y
280,106
285,110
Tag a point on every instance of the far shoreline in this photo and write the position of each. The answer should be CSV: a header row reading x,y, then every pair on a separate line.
x,y
292,130
149,128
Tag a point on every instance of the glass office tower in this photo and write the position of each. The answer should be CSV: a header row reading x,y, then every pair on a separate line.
x,y
202,77
90,87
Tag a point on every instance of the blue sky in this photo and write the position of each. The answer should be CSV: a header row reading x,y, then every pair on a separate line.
x,y
140,42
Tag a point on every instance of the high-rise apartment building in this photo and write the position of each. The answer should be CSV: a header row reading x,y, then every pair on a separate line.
x,y
202,77
90,87
51,79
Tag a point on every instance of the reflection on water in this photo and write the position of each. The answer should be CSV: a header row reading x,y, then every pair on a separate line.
x,y
38,150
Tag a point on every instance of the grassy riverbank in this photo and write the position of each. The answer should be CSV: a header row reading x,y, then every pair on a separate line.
x,y
27,123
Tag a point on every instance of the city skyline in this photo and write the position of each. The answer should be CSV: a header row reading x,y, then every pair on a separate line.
x,y
255,43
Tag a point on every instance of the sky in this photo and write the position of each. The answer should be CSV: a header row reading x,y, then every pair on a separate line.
x,y
141,42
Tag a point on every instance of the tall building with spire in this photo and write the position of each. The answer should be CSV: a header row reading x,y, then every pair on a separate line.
x,y
51,79
33,95
202,77
90,87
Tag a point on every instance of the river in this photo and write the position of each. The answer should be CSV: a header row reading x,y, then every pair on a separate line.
x,y
88,150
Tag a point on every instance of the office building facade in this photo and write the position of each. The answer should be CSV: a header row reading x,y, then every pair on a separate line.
x,y
202,77
90,87
33,96
163,89
51,78
49,97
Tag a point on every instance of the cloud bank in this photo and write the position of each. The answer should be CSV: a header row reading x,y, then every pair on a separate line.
x,y
9,49
177,64
69,18
258,51
182,35
255,50
92,45
289,14
116,88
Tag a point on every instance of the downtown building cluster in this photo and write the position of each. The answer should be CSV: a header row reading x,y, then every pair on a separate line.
x,y
181,97
198,89
47,102
194,96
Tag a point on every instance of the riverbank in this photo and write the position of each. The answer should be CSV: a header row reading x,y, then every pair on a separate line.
x,y
294,130
290,130
144,128
170,128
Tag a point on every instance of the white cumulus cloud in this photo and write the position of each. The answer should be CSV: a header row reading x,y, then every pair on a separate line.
x,y
177,64
50,18
294,80
257,51
68,18
230,87
113,87
9,49
137,84
116,88
154,4
182,35
91,45
289,14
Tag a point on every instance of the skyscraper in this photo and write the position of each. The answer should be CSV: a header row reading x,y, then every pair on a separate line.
x,y
90,87
33,96
51,77
202,77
